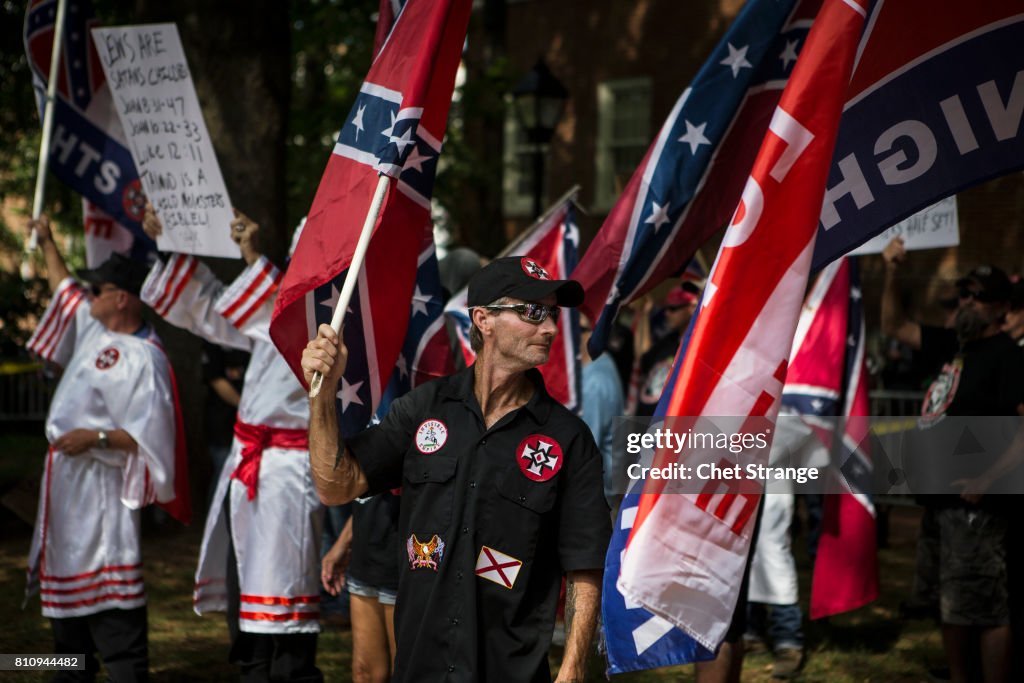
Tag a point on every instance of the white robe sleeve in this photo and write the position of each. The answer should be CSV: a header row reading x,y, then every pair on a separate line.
x,y
249,301
64,322
182,292
146,411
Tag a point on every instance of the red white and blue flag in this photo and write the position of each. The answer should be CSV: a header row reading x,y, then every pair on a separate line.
x,y
395,128
426,353
553,242
691,177
88,152
687,551
934,107
930,111
828,377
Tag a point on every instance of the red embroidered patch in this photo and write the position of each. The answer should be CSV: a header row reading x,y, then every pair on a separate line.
x,y
534,269
107,358
539,457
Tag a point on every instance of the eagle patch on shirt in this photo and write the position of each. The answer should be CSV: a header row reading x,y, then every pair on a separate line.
x,y
425,555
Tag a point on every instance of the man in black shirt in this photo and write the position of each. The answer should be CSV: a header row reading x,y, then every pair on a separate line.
x,y
983,375
659,351
501,492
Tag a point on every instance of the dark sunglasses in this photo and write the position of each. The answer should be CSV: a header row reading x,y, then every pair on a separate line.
x,y
977,295
531,313
98,290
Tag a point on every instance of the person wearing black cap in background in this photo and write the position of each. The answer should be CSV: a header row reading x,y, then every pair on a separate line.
x,y
983,375
501,492
112,432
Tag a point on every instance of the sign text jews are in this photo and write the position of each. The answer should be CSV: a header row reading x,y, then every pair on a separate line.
x,y
156,101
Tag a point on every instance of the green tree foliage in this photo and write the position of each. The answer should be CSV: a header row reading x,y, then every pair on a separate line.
x,y
332,43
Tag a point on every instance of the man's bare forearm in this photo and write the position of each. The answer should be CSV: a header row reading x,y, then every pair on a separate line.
x,y
336,474
56,269
582,606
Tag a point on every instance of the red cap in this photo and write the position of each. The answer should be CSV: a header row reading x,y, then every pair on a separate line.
x,y
680,296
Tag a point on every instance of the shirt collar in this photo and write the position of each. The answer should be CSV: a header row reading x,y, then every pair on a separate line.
x,y
460,388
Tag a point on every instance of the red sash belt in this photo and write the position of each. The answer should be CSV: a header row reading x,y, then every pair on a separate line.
x,y
255,439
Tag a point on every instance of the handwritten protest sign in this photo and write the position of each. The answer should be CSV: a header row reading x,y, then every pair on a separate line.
x,y
156,102
935,226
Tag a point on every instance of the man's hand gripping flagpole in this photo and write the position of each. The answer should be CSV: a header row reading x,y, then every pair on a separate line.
x,y
353,270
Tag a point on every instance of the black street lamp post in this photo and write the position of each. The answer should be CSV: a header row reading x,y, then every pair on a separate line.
x,y
539,99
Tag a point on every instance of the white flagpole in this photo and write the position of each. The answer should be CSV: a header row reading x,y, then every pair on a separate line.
x,y
48,106
353,270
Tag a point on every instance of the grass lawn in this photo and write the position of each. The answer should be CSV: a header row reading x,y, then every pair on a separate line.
x,y
872,644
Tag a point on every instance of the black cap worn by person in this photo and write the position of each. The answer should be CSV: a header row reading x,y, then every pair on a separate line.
x,y
520,277
995,284
117,270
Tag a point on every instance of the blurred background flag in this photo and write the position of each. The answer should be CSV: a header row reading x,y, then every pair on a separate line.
x,y
88,152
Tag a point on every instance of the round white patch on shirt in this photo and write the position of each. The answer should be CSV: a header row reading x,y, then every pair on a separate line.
x,y
430,436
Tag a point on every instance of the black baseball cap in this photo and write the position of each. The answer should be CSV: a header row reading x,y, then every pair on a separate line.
x,y
995,284
119,270
520,277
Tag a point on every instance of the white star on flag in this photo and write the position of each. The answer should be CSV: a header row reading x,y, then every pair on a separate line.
x,y
390,129
788,54
737,59
357,120
419,302
402,142
402,366
415,160
659,215
855,293
572,234
817,404
349,394
695,136
332,303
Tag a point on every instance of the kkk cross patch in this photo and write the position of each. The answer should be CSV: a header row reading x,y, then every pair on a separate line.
x,y
539,457
425,555
534,269
498,567
430,436
107,358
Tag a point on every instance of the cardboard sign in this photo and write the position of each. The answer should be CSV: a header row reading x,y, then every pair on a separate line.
x,y
156,102
930,228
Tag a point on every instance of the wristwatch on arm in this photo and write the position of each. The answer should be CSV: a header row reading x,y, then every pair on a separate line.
x,y
102,439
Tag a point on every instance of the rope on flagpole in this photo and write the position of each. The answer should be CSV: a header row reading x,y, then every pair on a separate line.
x,y
353,270
48,107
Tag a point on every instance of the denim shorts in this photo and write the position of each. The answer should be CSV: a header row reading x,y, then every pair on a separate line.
x,y
365,590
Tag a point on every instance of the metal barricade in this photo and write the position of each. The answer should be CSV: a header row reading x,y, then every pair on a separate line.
x,y
891,403
25,392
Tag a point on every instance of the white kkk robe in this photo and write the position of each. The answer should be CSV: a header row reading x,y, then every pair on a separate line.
x,y
276,536
85,556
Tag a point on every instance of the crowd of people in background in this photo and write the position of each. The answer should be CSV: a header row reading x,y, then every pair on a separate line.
x,y
116,400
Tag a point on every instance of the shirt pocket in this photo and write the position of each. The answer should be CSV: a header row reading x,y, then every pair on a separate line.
x,y
520,515
428,489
